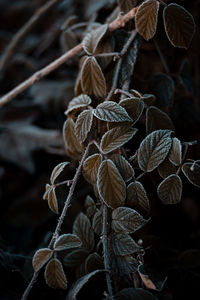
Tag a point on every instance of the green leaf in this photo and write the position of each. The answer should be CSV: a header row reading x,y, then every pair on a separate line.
x,y
134,108
157,119
57,171
111,185
166,168
137,197
83,124
91,166
154,149
78,103
175,154
93,38
41,257
54,275
192,172
67,241
78,285
116,137
146,18
123,244
134,294
125,219
170,190
92,78
123,166
179,25
111,112
82,228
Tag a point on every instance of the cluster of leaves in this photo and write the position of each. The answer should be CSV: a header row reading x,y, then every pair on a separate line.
x,y
106,126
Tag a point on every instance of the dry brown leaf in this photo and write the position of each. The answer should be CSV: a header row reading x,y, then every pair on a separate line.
x,y
83,124
52,200
40,258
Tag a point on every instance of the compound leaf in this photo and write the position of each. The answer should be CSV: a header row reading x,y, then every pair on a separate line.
x,y
170,189
54,275
111,112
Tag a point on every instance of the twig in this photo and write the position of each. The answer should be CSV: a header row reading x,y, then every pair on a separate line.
x,y
106,251
61,219
24,31
117,23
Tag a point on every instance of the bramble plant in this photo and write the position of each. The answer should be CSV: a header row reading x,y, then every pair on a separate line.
x,y
105,119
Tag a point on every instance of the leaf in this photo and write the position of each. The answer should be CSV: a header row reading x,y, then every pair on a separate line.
x,y
123,166
54,275
137,197
134,108
82,228
92,79
73,146
111,112
163,88
123,244
75,289
170,189
175,154
126,5
57,170
125,219
179,25
97,222
76,257
90,206
91,166
185,76
148,99
136,294
52,200
46,193
166,168
116,137
67,241
111,185
93,262
192,172
157,119
146,18
40,258
83,124
154,149
78,103
93,38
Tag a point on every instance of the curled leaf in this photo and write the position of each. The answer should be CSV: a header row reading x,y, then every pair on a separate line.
x,y
78,103
46,193
57,171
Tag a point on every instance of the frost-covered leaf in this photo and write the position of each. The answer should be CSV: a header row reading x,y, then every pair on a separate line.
x,y
123,244
92,78
154,149
123,166
111,185
93,38
170,189
91,166
97,222
83,229
137,197
83,124
78,103
54,275
73,146
52,200
179,25
40,258
57,170
125,219
134,108
116,137
111,112
146,18
192,172
67,241
163,87
157,119
90,206
136,294
175,154
166,168
78,285
46,193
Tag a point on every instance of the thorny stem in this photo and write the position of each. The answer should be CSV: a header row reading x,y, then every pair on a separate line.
x,y
106,251
62,217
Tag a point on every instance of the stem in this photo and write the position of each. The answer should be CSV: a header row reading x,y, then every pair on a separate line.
x,y
123,92
61,219
67,182
107,54
24,31
140,176
106,251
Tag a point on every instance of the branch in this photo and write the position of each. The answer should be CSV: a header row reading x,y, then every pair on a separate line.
x,y
24,31
61,219
119,22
